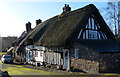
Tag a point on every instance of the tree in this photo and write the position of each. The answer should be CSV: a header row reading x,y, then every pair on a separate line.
x,y
112,16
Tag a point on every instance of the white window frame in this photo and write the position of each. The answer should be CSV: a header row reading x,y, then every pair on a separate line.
x,y
36,53
76,54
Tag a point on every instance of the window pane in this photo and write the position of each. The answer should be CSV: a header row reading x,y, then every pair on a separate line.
x,y
76,53
93,34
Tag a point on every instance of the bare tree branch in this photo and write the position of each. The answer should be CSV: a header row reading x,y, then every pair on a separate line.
x,y
111,15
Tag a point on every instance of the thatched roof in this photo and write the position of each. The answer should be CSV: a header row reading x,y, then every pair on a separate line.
x,y
18,40
63,29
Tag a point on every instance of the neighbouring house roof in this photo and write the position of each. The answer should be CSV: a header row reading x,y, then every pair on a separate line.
x,y
18,40
64,28
100,45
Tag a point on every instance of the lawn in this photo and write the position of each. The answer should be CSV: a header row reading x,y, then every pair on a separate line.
x,y
2,53
21,70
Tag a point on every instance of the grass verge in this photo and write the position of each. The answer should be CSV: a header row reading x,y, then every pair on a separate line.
x,y
21,70
2,53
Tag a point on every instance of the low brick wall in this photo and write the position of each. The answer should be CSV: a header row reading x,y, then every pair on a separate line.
x,y
85,65
88,60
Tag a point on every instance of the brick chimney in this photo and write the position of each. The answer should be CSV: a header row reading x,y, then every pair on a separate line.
x,y
28,27
38,21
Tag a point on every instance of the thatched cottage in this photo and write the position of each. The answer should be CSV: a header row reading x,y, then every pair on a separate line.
x,y
78,40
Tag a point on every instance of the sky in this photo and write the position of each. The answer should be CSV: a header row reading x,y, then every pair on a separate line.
x,y
15,14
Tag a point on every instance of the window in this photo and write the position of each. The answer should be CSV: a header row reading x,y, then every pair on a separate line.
x,y
41,54
93,35
66,53
76,53
30,54
36,54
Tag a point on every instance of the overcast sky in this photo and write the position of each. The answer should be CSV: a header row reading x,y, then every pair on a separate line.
x,y
15,14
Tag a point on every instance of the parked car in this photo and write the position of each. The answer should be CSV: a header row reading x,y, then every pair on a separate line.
x,y
7,58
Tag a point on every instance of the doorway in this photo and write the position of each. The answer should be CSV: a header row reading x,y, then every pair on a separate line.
x,y
66,59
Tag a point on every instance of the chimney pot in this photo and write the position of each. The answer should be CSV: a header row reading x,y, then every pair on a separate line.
x,y
28,27
66,8
38,21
